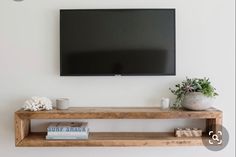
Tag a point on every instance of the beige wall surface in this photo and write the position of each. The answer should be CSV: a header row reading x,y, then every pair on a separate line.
x,y
29,66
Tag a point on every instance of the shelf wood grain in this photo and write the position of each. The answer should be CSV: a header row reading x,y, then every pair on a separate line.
x,y
118,113
25,138
111,139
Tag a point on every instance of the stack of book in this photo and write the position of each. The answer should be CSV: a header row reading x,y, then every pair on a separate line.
x,y
67,130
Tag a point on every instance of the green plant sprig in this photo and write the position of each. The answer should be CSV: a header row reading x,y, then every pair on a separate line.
x,y
192,85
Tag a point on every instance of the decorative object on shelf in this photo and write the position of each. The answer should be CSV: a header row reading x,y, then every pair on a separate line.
x,y
67,130
37,104
194,94
62,103
188,132
197,101
165,103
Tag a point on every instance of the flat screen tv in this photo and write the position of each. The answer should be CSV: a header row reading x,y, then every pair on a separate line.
x,y
117,42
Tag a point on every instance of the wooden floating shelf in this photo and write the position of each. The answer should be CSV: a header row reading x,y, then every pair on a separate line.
x,y
118,113
25,138
113,139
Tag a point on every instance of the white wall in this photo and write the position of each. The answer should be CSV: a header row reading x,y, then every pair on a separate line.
x,y
29,65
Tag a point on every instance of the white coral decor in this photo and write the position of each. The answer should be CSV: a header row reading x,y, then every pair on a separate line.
x,y
37,104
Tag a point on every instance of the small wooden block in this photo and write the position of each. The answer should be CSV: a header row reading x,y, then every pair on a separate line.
x,y
188,132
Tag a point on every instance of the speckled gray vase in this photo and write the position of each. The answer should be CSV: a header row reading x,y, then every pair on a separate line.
x,y
197,101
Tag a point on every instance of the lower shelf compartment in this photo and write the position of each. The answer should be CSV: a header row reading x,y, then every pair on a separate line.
x,y
109,139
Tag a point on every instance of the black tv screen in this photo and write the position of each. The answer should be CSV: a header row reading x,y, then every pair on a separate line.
x,y
117,42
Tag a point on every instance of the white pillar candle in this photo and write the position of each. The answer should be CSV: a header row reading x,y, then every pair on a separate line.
x,y
62,103
165,103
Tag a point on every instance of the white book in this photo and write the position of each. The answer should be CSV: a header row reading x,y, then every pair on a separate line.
x,y
66,137
68,127
63,133
68,124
